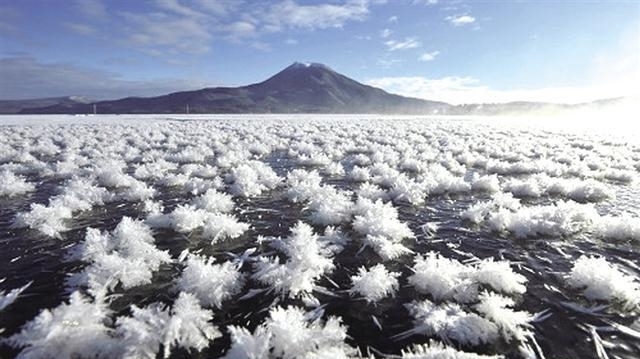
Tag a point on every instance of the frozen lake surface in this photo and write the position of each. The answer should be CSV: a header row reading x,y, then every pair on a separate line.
x,y
316,236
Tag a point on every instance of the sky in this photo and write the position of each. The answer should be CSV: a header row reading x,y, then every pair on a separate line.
x,y
455,51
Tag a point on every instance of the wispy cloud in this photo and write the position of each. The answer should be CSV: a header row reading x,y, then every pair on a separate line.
x,y
80,29
385,33
388,62
173,6
407,43
8,20
240,30
175,30
460,20
392,19
163,33
94,9
220,7
429,56
174,27
25,77
425,2
289,14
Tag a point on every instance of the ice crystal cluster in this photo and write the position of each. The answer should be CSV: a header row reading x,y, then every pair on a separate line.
x,y
374,283
308,258
600,280
315,237
126,257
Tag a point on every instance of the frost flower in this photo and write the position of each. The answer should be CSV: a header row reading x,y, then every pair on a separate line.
x,y
374,283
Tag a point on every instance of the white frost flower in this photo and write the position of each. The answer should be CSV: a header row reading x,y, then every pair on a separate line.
x,y
12,185
435,350
186,325
601,280
374,283
71,330
308,258
210,283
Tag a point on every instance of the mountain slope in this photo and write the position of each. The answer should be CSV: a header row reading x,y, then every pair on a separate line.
x,y
18,106
300,88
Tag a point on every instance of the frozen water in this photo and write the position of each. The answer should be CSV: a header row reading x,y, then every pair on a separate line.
x,y
205,236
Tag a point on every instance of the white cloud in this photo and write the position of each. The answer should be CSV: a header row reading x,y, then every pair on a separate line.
x,y
25,77
8,19
80,29
386,33
259,45
408,43
614,73
171,29
460,20
291,41
388,62
92,8
7,27
289,14
220,7
240,29
429,56
177,8
460,90
175,29
425,2
161,33
393,19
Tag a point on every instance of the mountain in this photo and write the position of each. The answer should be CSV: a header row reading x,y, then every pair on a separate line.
x,y
299,88
22,106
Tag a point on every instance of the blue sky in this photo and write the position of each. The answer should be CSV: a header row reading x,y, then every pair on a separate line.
x,y
456,51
